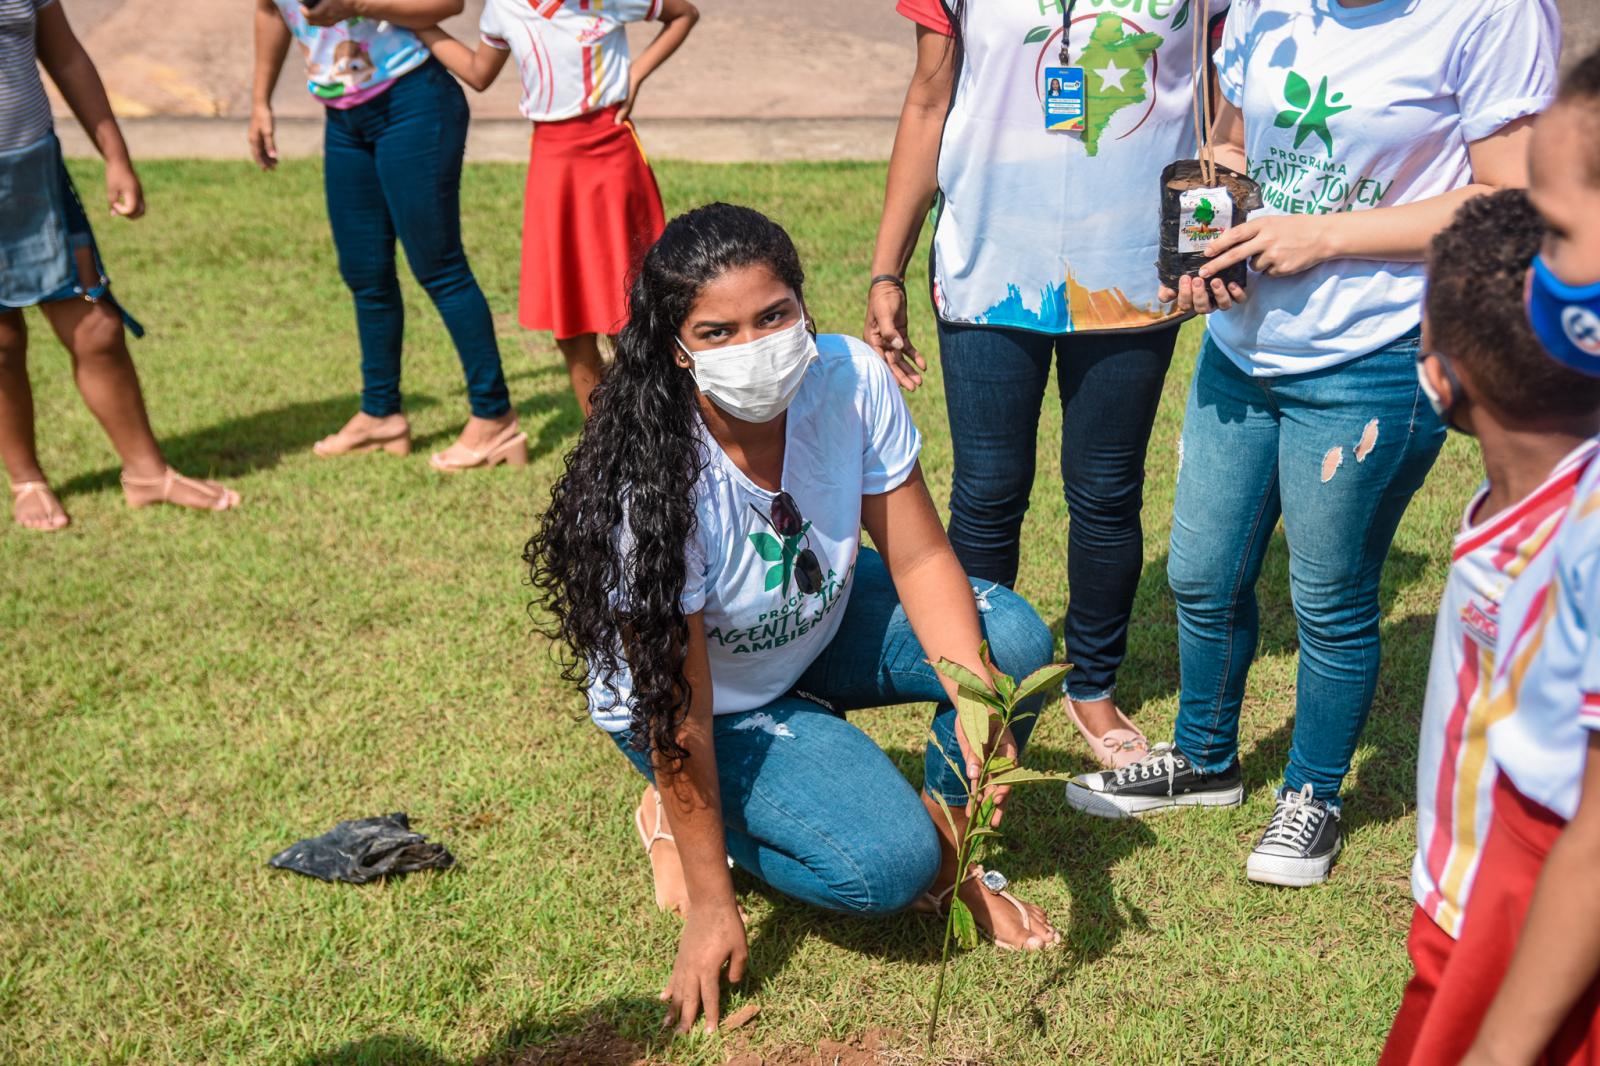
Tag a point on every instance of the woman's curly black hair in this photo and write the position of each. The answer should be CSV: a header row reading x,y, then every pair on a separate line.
x,y
612,594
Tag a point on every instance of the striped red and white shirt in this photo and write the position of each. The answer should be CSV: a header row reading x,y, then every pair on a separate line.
x,y
1455,776
1546,689
572,54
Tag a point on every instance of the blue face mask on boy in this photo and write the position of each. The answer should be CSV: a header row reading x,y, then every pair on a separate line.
x,y
1566,318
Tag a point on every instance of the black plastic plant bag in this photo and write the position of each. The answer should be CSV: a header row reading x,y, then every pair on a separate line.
x,y
364,849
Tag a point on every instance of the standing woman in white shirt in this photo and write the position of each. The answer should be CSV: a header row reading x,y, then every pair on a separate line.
x,y
1367,124
1042,262
591,206
701,559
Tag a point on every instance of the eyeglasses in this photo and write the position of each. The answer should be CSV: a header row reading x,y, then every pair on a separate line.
x,y
786,521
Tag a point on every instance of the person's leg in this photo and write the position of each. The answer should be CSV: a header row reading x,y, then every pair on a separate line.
x,y
585,365
103,369
994,382
1110,389
1357,442
34,505
1225,510
418,154
875,660
363,236
814,808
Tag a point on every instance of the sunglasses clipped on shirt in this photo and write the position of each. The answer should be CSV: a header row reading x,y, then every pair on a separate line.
x,y
785,520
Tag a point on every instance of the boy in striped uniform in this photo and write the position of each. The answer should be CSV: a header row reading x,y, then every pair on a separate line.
x,y
1484,371
1523,984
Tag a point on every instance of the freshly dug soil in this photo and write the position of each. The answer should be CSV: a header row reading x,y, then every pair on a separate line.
x,y
600,1045
1177,179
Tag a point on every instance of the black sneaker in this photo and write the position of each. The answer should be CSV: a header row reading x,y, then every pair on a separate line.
x,y
1300,843
1164,778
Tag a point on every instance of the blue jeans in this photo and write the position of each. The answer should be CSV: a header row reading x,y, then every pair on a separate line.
x,y
810,804
1110,385
392,167
1338,455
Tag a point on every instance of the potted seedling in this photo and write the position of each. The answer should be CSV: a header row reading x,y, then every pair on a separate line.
x,y
985,711
1201,199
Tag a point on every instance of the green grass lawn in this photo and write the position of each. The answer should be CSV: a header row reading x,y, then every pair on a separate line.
x,y
181,696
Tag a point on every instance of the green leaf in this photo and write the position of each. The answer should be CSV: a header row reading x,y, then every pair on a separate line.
x,y
982,831
774,578
961,921
1286,119
961,775
1037,34
1297,90
974,718
1181,19
961,675
949,816
1021,777
1046,677
985,814
1005,685
1000,764
767,547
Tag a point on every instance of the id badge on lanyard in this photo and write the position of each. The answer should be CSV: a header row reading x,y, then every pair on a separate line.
x,y
1065,91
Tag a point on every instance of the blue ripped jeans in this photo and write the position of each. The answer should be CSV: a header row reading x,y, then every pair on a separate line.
x,y
810,804
1337,454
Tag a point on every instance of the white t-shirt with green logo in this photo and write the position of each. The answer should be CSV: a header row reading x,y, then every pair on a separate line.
x,y
849,435
1347,109
1059,232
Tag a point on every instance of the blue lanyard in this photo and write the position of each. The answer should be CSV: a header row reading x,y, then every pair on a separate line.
x,y
1066,30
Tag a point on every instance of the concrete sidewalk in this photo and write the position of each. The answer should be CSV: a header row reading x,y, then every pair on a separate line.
x,y
707,140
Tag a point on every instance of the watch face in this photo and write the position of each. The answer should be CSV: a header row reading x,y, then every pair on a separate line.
x,y
994,880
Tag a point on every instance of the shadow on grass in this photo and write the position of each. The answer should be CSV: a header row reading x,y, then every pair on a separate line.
x,y
244,445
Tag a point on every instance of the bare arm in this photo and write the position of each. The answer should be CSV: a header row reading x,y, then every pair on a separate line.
x,y
476,67
713,933
933,589
1558,955
678,18
70,67
272,39
412,14
912,184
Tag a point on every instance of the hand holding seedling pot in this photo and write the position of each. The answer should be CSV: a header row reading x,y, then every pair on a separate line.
x,y
1200,199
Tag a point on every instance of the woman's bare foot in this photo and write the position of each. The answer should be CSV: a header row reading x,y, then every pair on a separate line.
x,y
1013,924
365,433
172,487
35,507
650,820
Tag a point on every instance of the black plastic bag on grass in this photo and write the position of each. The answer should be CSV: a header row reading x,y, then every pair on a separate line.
x,y
364,849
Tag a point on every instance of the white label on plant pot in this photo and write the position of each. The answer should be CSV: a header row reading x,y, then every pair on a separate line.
x,y
1203,216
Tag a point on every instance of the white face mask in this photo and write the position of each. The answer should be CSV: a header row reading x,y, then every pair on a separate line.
x,y
756,382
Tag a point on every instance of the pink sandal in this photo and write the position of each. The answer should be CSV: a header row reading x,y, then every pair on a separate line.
x,y
346,443
55,515
510,446
146,492
1115,748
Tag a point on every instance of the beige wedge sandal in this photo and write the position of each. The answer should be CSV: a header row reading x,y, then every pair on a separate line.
x,y
55,516
994,882
346,443
510,446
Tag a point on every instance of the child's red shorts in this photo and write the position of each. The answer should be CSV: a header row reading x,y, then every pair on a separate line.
x,y
1456,981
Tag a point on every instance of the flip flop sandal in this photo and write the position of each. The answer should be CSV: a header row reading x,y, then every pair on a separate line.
x,y
994,882
54,512
649,839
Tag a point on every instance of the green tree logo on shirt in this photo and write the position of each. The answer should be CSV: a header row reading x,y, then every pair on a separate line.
x,y
781,553
1310,117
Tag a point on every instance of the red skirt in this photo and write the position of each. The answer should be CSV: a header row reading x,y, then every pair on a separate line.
x,y
590,211
1441,1021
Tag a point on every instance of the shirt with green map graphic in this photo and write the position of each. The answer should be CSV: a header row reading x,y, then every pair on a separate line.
x,y
1058,232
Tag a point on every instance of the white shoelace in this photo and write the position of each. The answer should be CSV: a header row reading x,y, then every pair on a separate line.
x,y
1163,761
1296,820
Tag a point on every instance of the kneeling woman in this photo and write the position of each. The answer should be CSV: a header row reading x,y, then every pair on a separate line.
x,y
702,559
